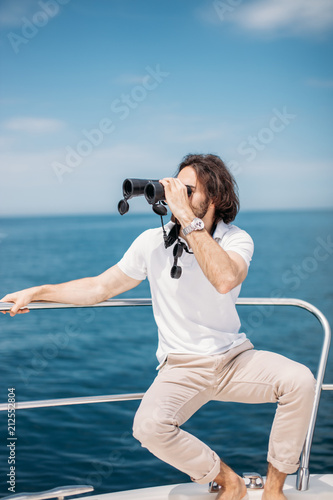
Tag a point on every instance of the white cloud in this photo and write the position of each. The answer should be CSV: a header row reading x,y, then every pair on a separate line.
x,y
195,131
295,16
6,142
273,184
30,186
14,164
200,137
32,125
273,17
320,82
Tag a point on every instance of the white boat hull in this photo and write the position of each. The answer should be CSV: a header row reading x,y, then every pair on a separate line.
x,y
321,488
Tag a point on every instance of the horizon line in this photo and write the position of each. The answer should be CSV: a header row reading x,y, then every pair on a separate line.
x,y
141,213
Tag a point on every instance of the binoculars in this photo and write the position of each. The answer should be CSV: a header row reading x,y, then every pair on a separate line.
x,y
152,190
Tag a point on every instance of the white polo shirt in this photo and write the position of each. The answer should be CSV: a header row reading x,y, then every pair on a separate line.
x,y
191,316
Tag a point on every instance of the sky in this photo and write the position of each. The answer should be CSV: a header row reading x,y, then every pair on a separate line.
x,y
95,91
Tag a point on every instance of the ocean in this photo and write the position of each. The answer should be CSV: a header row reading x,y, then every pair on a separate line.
x,y
82,352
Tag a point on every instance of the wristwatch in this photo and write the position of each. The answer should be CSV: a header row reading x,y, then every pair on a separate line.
x,y
196,225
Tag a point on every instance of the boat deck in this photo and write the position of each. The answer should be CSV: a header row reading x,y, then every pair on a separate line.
x,y
321,488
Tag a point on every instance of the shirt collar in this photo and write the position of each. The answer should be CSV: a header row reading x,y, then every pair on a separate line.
x,y
220,230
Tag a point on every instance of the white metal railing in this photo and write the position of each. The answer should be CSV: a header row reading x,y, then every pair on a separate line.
x,y
303,472
60,493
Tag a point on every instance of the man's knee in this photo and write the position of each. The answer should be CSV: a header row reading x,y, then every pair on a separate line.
x,y
307,383
142,426
153,428
299,380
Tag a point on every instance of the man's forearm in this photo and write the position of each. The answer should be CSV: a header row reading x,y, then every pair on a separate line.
x,y
85,291
214,261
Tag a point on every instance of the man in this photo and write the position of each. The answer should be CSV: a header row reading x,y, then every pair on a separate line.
x,y
195,274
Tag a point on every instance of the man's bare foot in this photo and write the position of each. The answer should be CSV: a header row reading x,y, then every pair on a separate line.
x,y
232,486
274,484
233,491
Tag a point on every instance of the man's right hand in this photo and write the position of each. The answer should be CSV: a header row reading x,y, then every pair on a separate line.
x,y
20,300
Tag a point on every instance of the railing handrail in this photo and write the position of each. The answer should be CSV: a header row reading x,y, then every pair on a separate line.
x,y
303,472
107,398
283,301
59,493
6,306
47,403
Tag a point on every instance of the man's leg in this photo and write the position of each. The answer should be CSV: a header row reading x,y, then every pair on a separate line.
x,y
274,484
261,377
232,486
184,384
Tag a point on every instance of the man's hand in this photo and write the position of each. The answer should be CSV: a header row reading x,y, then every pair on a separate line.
x,y
177,198
20,299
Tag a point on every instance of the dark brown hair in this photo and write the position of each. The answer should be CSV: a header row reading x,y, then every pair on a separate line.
x,y
220,186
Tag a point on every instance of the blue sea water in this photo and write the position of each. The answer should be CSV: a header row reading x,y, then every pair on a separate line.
x,y
83,352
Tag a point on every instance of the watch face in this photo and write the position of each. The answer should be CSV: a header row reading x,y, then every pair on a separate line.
x,y
198,223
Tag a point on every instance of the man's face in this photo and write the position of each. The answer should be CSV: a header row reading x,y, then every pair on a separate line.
x,y
198,199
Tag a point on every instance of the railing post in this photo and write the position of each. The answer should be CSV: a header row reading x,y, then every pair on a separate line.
x,y
302,480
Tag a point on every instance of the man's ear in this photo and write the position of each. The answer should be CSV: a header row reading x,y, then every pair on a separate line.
x,y
211,209
211,206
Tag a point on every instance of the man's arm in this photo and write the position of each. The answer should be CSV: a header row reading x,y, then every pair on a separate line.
x,y
224,269
85,291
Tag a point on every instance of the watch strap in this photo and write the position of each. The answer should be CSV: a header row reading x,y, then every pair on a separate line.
x,y
196,225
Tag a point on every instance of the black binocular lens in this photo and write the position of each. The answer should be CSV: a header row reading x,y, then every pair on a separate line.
x,y
154,192
128,188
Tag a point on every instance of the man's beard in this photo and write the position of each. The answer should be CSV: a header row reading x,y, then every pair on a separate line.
x,y
199,211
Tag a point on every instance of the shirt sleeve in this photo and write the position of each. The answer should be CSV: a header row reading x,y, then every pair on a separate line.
x,y
133,263
239,241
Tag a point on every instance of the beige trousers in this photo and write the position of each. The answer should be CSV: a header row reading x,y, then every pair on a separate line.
x,y
186,382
